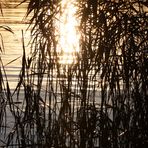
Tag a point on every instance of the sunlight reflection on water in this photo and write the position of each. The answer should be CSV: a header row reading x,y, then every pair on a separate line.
x,y
68,35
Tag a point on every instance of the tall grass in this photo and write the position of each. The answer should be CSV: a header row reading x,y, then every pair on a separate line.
x,y
99,101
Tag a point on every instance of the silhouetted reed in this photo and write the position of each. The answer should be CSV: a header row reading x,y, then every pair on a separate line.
x,y
98,101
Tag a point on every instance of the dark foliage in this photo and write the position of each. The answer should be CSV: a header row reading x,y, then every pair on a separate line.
x,y
99,101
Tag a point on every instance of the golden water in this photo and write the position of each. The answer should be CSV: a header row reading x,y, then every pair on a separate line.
x,y
14,18
67,32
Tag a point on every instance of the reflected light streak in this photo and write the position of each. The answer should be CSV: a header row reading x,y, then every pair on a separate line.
x,y
68,39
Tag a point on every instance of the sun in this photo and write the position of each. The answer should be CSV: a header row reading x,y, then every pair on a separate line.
x,y
68,35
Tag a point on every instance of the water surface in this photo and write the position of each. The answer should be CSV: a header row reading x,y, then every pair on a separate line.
x,y
14,18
